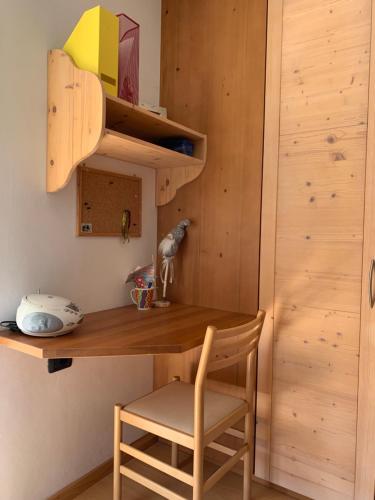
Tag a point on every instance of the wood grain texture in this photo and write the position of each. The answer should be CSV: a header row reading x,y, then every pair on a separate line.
x,y
365,457
130,149
217,51
126,331
136,122
82,120
128,118
319,243
268,232
76,110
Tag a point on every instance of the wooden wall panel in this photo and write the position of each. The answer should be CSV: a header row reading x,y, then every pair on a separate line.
x,y
268,227
213,76
365,457
319,243
213,70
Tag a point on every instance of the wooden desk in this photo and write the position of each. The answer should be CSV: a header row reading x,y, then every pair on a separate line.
x,y
126,331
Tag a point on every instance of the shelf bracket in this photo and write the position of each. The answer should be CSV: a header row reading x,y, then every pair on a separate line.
x,y
55,365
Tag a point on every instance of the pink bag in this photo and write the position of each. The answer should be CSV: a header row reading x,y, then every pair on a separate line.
x,y
128,67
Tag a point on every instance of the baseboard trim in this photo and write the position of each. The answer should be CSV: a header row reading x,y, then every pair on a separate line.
x,y
281,489
81,484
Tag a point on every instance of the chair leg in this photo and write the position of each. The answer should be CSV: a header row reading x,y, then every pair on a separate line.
x,y
198,474
248,462
174,456
117,455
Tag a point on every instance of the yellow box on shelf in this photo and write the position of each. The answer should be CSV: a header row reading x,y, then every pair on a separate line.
x,y
93,46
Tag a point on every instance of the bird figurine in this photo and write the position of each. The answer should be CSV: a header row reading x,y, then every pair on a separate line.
x,y
168,248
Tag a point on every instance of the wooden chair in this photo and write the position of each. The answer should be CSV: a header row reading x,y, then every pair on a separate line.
x,y
195,415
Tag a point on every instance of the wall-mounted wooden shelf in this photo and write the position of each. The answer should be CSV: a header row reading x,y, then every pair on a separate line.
x,y
83,120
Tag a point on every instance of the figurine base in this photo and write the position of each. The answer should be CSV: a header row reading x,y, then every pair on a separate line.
x,y
162,303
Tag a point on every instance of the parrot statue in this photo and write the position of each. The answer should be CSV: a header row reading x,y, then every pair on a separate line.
x,y
168,248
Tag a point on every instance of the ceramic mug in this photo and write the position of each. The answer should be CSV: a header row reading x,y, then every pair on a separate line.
x,y
142,297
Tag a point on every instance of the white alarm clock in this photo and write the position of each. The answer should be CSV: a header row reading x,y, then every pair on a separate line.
x,y
47,315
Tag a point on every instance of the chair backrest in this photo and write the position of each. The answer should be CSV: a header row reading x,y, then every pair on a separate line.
x,y
224,348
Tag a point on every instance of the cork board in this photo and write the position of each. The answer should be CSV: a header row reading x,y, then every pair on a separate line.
x,y
102,198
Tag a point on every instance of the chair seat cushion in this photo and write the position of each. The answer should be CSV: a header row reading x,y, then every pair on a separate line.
x,y
173,406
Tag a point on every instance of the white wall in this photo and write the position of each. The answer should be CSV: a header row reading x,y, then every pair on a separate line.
x,y
54,428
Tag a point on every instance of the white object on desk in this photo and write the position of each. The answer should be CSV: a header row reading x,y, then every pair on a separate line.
x,y
47,315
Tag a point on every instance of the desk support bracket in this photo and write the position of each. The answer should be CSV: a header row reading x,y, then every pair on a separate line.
x,y
55,365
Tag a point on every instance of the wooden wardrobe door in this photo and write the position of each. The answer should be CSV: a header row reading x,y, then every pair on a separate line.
x,y
365,466
319,178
